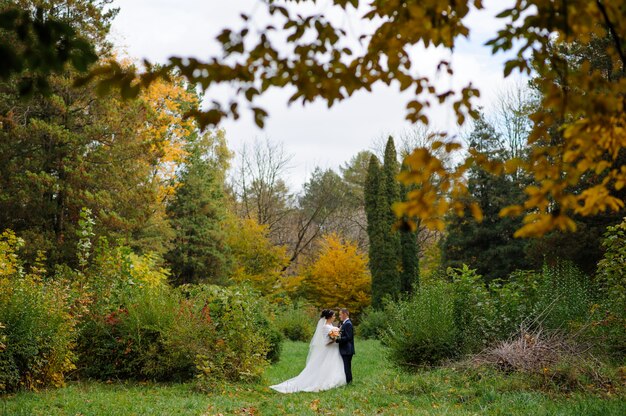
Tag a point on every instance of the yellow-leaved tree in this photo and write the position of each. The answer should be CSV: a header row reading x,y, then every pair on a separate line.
x,y
258,261
338,276
168,130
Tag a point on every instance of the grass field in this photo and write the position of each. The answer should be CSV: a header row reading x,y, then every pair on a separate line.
x,y
378,389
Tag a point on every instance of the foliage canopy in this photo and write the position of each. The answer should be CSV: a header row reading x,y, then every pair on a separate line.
x,y
585,104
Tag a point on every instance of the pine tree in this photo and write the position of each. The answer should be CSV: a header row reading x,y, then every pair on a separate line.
x,y
197,212
488,246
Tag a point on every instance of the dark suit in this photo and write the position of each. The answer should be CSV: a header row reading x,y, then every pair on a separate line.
x,y
346,347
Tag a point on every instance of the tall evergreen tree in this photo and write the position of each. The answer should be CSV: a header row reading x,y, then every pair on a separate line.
x,y
197,213
375,212
392,264
394,261
488,246
391,169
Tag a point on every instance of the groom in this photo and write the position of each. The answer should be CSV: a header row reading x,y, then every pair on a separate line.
x,y
346,342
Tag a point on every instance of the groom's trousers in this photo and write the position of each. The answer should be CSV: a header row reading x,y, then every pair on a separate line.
x,y
347,367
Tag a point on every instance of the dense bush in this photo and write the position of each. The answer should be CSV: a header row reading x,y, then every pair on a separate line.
x,y
241,325
563,297
609,324
132,306
127,339
37,324
241,304
117,317
372,323
558,297
514,301
274,339
460,315
474,310
297,321
421,329
161,333
139,327
38,334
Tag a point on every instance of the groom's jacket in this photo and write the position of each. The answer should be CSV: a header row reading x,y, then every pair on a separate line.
x,y
346,338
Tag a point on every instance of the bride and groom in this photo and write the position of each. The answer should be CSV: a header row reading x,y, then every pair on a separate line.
x,y
329,363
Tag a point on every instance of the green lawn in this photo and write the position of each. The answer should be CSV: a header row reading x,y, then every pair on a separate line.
x,y
378,389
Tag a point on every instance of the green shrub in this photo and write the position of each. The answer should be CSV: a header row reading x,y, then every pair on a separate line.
x,y
514,301
421,329
241,347
609,325
121,336
37,322
563,297
463,316
37,334
474,310
557,297
275,340
372,323
175,334
127,339
139,327
261,315
297,321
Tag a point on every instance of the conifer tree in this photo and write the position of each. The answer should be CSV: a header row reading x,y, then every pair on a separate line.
x,y
374,211
197,213
391,255
488,246
394,262
404,242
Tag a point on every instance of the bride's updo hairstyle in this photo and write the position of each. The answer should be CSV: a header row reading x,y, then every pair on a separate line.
x,y
327,313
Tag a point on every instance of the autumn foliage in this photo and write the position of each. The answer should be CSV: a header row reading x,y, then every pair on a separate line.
x,y
338,276
257,261
578,128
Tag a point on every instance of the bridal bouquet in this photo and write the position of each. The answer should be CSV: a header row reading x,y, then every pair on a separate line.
x,y
334,334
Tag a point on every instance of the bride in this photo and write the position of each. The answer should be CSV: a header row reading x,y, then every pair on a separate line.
x,y
324,366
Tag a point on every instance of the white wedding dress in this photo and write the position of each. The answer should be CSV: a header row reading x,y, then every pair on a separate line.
x,y
324,366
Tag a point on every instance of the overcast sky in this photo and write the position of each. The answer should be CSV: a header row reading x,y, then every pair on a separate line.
x,y
314,134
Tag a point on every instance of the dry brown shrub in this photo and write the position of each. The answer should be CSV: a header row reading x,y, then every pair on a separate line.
x,y
531,350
